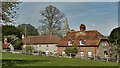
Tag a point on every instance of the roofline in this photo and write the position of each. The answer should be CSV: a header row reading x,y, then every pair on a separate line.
x,y
80,46
37,43
42,35
85,30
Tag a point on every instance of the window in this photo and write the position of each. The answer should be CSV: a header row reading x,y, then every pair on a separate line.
x,y
105,52
63,52
70,42
81,42
81,53
89,54
38,46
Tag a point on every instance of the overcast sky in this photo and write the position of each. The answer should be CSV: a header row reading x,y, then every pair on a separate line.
x,y
101,16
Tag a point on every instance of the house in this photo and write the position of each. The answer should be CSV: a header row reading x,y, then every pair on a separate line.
x,y
90,43
42,43
7,46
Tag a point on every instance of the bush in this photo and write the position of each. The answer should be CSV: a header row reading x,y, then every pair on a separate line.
x,y
72,50
29,49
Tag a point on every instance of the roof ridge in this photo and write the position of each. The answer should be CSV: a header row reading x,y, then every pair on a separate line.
x,y
42,39
91,30
42,35
85,30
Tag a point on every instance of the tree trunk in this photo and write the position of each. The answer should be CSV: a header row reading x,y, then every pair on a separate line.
x,y
118,58
50,31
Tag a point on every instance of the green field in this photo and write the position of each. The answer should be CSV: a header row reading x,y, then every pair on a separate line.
x,y
27,60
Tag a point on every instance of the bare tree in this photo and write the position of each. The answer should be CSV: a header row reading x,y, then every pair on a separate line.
x,y
52,18
43,30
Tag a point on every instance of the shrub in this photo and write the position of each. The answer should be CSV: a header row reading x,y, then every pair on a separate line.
x,y
29,49
72,50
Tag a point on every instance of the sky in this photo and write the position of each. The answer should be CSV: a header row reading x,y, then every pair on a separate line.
x,y
69,0
101,16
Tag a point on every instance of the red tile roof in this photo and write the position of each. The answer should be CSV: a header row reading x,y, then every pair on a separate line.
x,y
49,39
5,46
90,37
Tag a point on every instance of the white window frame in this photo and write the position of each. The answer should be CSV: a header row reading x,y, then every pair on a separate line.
x,y
63,53
69,43
81,53
89,53
81,42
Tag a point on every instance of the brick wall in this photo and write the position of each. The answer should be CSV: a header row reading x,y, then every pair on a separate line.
x,y
83,49
96,51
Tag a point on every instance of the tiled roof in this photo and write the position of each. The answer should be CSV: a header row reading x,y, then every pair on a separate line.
x,y
5,46
90,37
49,39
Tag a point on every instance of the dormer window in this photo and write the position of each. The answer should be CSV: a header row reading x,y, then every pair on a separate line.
x,y
70,42
81,41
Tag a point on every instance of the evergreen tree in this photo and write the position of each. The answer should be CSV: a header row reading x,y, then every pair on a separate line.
x,y
115,43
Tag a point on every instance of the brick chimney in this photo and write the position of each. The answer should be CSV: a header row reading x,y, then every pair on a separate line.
x,y
82,27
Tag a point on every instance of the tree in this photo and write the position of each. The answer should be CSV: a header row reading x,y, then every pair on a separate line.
x,y
29,49
52,18
43,30
13,35
71,50
114,51
11,30
15,41
30,30
115,35
115,40
9,12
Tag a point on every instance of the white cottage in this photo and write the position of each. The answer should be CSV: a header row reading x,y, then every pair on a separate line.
x,y
42,43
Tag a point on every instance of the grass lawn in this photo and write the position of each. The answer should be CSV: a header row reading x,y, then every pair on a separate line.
x,y
27,60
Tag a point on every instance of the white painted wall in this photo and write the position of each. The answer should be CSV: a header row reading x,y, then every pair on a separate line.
x,y
43,47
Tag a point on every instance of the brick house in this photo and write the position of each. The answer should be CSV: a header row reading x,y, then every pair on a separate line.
x,y
90,43
42,43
